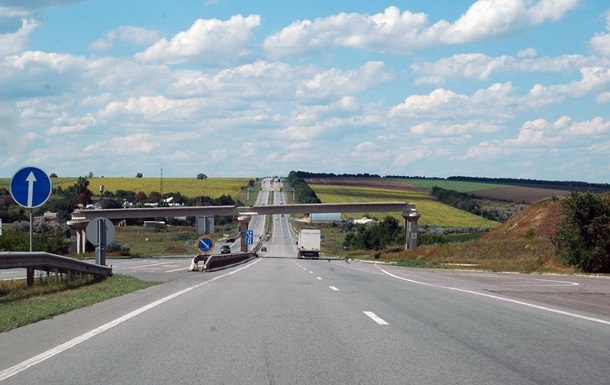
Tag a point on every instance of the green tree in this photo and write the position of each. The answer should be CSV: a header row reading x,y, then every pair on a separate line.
x,y
129,196
141,196
583,240
81,190
155,197
375,236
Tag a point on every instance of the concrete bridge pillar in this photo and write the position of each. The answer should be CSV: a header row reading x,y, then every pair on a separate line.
x,y
78,236
411,217
244,221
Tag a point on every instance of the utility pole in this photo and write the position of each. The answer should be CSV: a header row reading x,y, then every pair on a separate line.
x,y
161,181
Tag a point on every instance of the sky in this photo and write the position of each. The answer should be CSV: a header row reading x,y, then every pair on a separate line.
x,y
242,88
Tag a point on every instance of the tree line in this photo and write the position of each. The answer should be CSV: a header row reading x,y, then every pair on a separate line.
x,y
469,203
302,192
305,174
569,185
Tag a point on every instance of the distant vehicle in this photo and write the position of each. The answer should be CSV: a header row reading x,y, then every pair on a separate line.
x,y
308,243
231,240
225,249
264,248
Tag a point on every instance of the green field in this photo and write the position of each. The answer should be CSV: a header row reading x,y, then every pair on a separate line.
x,y
433,213
455,185
190,187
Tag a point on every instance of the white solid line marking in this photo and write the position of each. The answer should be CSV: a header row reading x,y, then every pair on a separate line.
x,y
144,266
82,338
333,288
174,270
601,321
375,318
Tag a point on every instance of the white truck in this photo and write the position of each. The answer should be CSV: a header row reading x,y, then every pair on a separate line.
x,y
308,243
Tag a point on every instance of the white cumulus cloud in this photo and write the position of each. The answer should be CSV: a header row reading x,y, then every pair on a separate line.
x,y
405,32
207,42
131,34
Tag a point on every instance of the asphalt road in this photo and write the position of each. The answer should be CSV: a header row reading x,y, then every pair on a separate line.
x,y
279,320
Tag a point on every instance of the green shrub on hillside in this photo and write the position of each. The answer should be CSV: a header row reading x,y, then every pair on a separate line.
x,y
583,239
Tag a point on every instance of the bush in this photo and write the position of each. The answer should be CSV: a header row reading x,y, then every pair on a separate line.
x,y
115,246
375,236
51,241
583,240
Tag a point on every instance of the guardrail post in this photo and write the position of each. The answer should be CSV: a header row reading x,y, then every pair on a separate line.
x,y
30,276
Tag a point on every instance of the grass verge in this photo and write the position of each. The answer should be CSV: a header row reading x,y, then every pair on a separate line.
x,y
21,305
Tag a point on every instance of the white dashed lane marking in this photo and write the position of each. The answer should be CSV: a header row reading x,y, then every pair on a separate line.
x,y
376,318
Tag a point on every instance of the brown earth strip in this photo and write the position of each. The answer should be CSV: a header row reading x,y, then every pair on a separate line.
x,y
364,182
519,194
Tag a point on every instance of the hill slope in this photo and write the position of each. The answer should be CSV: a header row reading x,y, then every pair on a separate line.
x,y
540,219
522,244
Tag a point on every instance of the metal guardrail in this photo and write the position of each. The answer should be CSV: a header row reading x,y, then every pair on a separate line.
x,y
48,262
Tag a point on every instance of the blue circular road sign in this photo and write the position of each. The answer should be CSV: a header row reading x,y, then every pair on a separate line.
x,y
205,244
30,187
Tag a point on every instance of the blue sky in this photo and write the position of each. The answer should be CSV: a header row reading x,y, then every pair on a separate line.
x,y
494,88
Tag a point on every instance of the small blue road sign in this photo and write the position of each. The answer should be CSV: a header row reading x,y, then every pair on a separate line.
x,y
30,187
249,237
205,243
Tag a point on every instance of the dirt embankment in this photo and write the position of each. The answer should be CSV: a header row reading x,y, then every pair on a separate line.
x,y
540,219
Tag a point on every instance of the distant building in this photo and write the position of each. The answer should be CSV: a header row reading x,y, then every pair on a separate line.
x,y
325,217
363,221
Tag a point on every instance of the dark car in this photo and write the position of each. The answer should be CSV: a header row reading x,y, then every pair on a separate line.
x,y
225,249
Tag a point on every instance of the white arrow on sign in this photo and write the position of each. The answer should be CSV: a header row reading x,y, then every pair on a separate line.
x,y
31,179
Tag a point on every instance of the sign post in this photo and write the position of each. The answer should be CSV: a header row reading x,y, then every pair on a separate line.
x,y
31,187
100,232
249,237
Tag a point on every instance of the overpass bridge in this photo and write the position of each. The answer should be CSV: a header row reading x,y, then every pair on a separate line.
x,y
81,217
195,211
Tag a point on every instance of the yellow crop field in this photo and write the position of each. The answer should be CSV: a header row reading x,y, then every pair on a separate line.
x,y
190,187
432,212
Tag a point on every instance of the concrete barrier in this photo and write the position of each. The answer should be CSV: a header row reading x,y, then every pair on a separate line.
x,y
215,261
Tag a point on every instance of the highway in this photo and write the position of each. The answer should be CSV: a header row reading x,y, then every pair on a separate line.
x,y
279,320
